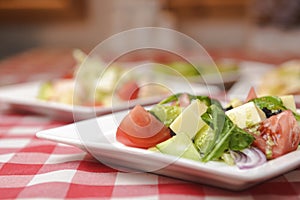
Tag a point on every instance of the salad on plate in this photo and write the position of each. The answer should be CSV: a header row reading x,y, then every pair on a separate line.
x,y
243,133
221,72
94,84
282,80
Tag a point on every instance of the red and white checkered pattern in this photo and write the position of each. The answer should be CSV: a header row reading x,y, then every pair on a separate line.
x,y
36,64
34,168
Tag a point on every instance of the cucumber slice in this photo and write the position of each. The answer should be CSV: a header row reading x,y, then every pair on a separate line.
x,y
204,139
179,145
166,114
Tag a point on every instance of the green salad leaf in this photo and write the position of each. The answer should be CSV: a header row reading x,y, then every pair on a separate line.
x,y
272,103
167,113
226,135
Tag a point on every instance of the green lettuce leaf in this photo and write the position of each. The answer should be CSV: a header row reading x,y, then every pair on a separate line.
x,y
272,103
227,135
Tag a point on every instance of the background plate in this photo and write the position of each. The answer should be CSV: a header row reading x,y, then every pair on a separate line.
x,y
23,97
251,76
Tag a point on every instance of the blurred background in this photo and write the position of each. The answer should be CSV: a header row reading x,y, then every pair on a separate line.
x,y
270,27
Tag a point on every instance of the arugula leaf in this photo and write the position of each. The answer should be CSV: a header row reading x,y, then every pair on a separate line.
x,y
227,135
240,139
214,117
272,103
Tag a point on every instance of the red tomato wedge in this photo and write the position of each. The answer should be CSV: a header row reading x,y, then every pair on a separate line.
x,y
251,94
141,129
278,135
128,91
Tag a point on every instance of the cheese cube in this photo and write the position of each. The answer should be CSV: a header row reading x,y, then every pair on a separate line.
x,y
289,102
246,115
190,121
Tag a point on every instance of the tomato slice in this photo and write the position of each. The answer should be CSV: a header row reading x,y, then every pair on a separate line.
x,y
251,94
141,129
278,135
128,91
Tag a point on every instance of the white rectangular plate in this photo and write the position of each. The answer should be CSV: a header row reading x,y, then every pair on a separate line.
x,y
97,136
23,97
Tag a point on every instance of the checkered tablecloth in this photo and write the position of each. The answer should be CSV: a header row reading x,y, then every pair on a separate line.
x,y
36,64
32,168
36,168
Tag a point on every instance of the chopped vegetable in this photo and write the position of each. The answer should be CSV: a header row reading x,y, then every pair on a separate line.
x,y
272,103
165,113
198,128
95,83
281,80
227,134
141,129
128,91
277,135
205,139
58,91
179,145
251,95
248,158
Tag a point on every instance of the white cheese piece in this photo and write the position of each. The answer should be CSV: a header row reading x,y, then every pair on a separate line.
x,y
246,115
289,102
190,121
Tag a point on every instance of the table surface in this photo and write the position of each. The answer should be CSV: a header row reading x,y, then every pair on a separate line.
x,y
36,168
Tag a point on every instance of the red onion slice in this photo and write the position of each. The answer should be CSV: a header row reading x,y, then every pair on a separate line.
x,y
248,158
